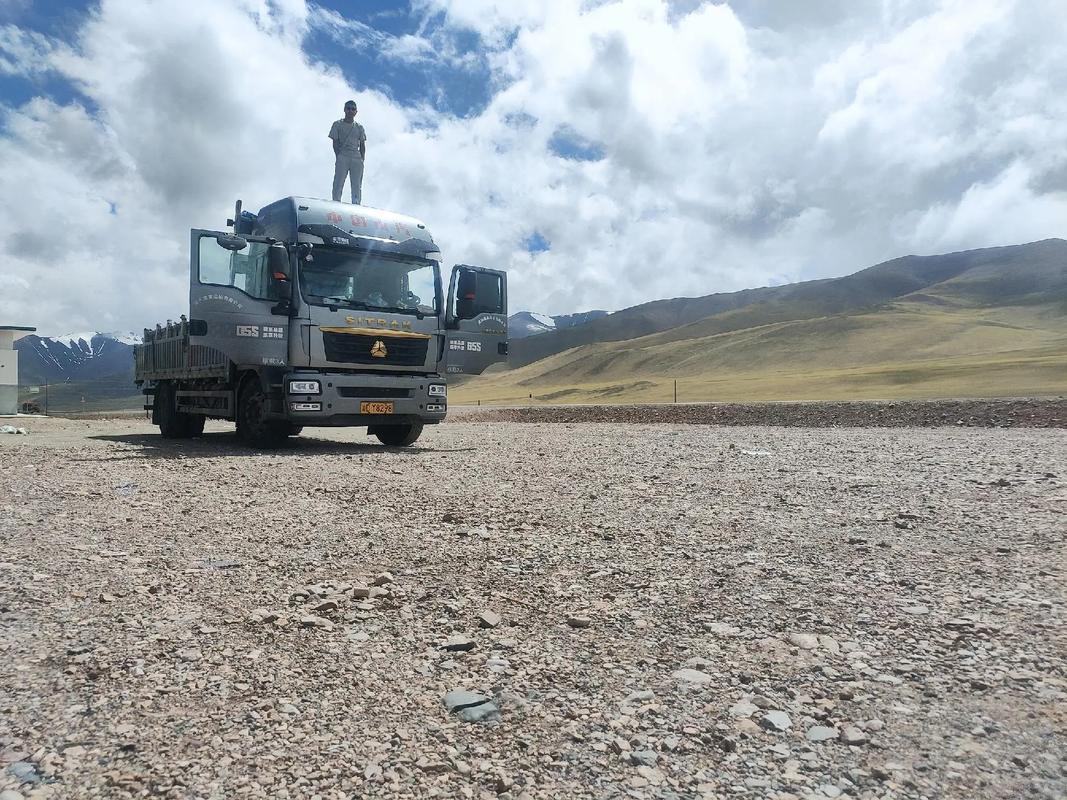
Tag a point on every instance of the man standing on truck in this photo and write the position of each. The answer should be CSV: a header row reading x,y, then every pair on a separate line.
x,y
350,150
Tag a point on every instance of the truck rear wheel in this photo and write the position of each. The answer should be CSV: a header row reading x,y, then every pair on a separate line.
x,y
253,425
174,424
398,435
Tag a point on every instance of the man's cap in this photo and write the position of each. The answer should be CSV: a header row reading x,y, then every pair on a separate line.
x,y
350,104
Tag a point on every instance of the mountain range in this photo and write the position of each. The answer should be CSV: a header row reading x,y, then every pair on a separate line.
x,y
75,357
987,322
527,323
83,371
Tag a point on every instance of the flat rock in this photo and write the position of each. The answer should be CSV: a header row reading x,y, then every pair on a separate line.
x,y
459,644
722,629
488,619
577,621
776,721
643,758
821,733
692,676
24,772
743,708
805,641
471,706
459,698
853,735
190,654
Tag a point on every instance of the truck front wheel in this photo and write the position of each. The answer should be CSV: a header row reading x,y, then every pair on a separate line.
x,y
174,424
398,435
253,425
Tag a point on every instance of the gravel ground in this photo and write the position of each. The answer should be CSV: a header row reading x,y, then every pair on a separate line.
x,y
670,611
1008,413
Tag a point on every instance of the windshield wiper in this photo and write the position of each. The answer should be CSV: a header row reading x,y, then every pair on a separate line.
x,y
368,307
341,301
393,309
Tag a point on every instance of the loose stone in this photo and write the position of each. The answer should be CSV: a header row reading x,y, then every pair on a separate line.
x,y
776,721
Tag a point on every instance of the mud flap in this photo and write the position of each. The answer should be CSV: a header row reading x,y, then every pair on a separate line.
x,y
476,320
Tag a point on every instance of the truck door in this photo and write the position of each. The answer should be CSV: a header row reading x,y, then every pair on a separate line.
x,y
234,291
476,320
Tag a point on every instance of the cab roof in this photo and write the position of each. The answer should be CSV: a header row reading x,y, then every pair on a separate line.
x,y
283,218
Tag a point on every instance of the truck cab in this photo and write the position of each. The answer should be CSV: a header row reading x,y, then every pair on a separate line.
x,y
320,313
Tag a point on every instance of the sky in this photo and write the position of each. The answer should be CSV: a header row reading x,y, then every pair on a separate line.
x,y
604,152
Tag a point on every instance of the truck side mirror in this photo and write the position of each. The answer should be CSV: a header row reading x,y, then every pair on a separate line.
x,y
278,261
233,243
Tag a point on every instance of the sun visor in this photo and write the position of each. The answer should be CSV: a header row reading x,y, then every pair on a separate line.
x,y
332,235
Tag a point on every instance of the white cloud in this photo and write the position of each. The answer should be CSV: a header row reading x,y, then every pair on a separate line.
x,y
737,144
357,35
24,53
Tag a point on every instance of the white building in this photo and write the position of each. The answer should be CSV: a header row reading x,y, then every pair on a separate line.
x,y
9,367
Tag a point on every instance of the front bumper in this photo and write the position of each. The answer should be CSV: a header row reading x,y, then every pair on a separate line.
x,y
341,396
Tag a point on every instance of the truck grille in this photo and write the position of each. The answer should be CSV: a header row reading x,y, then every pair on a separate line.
x,y
373,391
356,348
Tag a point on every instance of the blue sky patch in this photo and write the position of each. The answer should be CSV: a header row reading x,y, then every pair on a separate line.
x,y
536,243
567,143
450,75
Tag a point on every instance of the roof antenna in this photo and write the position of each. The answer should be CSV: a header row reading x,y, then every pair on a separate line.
x,y
236,216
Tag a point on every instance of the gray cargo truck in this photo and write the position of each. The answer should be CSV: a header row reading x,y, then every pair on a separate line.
x,y
317,313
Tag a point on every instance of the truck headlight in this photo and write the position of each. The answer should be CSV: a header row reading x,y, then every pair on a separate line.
x,y
438,390
304,387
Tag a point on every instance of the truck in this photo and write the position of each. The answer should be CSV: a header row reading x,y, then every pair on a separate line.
x,y
320,313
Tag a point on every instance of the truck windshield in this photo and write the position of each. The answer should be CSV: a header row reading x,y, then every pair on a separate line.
x,y
358,279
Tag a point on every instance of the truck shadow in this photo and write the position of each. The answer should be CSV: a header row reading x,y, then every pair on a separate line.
x,y
214,445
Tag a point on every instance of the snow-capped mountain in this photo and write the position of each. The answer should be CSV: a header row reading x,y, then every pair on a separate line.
x,y
528,323
76,356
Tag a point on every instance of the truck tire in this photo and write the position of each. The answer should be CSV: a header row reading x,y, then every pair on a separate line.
x,y
174,424
253,426
398,435
196,424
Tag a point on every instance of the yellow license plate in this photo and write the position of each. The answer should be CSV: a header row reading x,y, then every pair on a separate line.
x,y
375,408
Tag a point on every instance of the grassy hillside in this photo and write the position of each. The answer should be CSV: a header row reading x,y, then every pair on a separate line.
x,y
998,276
922,346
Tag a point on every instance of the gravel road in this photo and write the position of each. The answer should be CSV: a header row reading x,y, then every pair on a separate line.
x,y
1006,413
671,611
